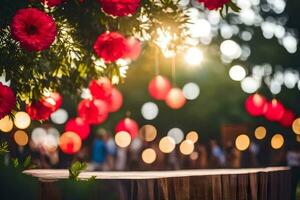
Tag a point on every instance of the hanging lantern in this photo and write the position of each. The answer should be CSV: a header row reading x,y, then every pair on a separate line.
x,y
79,126
93,111
159,87
115,101
134,48
101,88
287,118
128,125
70,142
256,105
175,98
274,111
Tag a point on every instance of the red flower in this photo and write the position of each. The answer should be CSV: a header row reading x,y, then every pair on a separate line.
x,y
101,88
7,100
111,46
34,29
119,8
38,111
51,3
213,4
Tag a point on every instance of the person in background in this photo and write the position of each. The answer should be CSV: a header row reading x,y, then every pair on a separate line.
x,y
293,161
99,152
217,157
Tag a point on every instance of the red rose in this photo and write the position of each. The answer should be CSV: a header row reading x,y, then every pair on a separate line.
x,y
34,29
213,4
111,46
7,100
51,3
38,111
119,8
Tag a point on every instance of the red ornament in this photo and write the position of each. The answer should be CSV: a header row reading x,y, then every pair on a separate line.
x,y
159,87
78,126
34,29
287,118
93,111
119,8
70,142
111,46
51,3
7,100
256,104
115,101
213,4
101,88
175,98
39,111
128,125
135,48
54,101
274,111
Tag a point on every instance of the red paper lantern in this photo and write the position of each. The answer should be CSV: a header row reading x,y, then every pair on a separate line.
x,y
101,88
70,142
274,111
287,118
38,111
175,98
159,87
128,125
134,48
256,104
79,126
115,101
93,111
53,101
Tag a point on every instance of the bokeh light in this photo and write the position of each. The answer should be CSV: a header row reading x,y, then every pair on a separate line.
x,y
149,110
193,56
70,142
237,73
230,49
260,132
21,137
242,142
22,120
194,155
277,141
186,147
148,132
177,134
149,156
250,84
192,136
167,144
296,126
37,135
6,124
191,91
175,98
60,116
50,143
122,139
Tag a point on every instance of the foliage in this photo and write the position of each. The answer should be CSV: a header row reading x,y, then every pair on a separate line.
x,y
27,164
3,148
75,170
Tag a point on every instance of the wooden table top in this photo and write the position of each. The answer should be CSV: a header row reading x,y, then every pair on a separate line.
x,y
57,174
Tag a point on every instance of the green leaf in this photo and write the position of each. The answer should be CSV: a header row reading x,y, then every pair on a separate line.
x,y
234,7
15,162
3,148
75,169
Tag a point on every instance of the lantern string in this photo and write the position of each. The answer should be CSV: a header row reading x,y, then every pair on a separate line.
x,y
156,61
173,71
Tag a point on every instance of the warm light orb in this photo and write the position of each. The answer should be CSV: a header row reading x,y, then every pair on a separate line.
x,y
21,137
193,56
260,132
296,126
175,98
237,73
6,124
123,139
70,142
186,147
192,136
277,141
242,142
167,144
148,132
149,156
22,120
159,87
194,155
